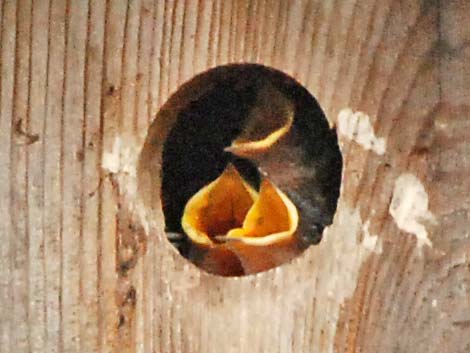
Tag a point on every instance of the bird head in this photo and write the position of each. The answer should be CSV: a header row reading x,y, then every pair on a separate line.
x,y
270,140
268,122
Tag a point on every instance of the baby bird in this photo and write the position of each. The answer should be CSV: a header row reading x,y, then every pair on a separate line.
x,y
235,228
297,151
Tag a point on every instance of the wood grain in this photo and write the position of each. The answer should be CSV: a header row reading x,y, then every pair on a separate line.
x,y
77,76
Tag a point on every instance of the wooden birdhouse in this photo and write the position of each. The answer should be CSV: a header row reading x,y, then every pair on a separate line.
x,y
234,176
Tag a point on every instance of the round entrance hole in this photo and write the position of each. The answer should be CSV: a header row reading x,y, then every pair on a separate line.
x,y
244,167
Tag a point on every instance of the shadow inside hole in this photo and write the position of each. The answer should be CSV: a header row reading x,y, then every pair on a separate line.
x,y
193,150
193,153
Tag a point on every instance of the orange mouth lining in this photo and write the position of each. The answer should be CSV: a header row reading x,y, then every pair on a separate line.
x,y
229,209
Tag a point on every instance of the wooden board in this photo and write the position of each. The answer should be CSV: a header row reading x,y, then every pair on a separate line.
x,y
81,81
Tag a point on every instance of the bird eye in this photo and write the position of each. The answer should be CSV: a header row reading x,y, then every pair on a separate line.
x,y
244,166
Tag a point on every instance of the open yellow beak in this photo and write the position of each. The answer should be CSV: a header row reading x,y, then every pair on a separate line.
x,y
218,207
268,121
273,217
245,148
229,216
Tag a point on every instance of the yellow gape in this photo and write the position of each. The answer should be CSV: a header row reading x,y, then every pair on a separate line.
x,y
244,148
272,217
228,218
269,121
218,207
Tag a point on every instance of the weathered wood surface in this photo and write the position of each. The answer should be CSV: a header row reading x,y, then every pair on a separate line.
x,y
77,76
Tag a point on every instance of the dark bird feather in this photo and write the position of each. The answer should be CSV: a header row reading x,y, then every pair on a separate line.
x,y
296,150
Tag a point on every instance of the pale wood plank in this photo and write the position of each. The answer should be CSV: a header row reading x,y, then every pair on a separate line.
x,y
53,175
82,74
38,87
155,95
130,56
8,42
143,275
72,158
90,314
116,14
20,260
